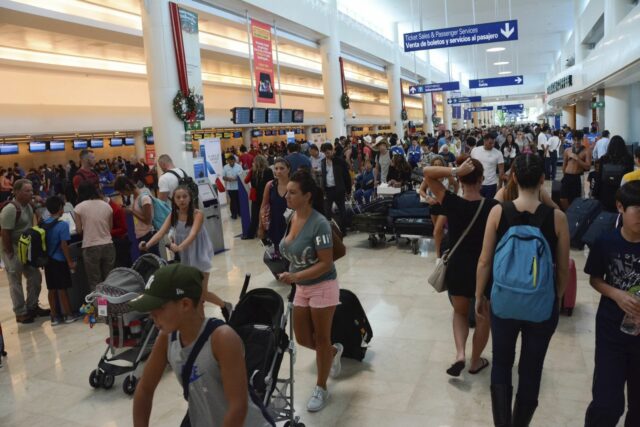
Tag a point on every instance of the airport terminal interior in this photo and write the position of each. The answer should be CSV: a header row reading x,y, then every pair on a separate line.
x,y
387,128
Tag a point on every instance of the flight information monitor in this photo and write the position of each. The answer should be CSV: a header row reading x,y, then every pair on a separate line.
x,y
97,143
80,144
298,116
56,146
273,115
37,147
115,142
129,141
286,116
258,115
8,148
241,115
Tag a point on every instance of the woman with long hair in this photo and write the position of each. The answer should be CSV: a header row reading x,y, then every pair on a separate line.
x,y
510,151
272,221
308,245
399,172
509,193
189,240
141,208
610,169
259,175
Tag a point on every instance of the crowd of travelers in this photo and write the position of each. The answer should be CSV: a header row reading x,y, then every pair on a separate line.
x,y
485,188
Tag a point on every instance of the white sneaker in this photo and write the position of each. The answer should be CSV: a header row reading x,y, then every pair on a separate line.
x,y
318,399
336,365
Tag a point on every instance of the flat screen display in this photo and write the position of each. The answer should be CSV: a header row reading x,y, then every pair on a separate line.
x,y
37,147
282,132
241,115
258,115
298,116
237,134
56,146
116,142
8,148
80,144
227,135
97,143
267,132
129,141
273,115
286,116
149,140
256,133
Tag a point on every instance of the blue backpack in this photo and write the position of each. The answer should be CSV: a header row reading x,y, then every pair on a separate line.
x,y
161,210
523,272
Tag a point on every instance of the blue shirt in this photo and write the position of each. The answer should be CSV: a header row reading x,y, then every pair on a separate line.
x,y
297,160
55,236
397,149
106,179
415,153
442,141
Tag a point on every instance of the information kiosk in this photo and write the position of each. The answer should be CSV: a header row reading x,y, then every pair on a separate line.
x,y
210,207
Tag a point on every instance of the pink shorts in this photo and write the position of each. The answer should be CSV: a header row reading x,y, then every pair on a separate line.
x,y
320,295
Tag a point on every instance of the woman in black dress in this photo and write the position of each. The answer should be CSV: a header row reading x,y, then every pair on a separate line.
x,y
260,175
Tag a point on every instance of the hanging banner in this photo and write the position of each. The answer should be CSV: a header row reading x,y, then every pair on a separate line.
x,y
263,61
150,155
211,151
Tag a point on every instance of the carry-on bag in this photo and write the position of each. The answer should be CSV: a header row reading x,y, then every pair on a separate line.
x,y
569,299
580,215
351,327
605,221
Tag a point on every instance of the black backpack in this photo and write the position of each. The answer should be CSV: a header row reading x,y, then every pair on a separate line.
x,y
612,175
187,181
351,327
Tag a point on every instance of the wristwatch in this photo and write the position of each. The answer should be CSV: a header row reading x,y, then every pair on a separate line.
x,y
454,172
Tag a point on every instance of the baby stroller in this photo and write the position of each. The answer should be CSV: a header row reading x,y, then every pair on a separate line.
x,y
261,320
131,334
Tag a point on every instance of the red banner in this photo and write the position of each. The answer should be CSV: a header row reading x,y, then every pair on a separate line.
x,y
263,61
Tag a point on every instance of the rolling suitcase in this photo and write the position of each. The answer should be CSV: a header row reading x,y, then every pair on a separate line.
x,y
79,285
350,327
569,299
413,227
580,215
605,221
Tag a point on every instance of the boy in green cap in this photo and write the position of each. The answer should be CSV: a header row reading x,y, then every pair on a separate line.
x,y
205,353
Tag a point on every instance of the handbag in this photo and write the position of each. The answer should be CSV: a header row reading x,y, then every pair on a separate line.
x,y
339,250
265,209
253,194
437,277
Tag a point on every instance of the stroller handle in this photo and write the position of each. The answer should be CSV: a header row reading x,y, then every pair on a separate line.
x,y
245,285
113,300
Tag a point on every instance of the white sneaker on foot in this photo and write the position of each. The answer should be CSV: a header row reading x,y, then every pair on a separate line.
x,y
336,365
318,399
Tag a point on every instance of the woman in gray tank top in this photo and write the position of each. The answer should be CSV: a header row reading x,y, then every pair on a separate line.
x,y
218,393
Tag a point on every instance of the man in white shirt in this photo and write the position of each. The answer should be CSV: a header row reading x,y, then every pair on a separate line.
x,y
168,181
316,160
551,161
601,146
543,145
490,159
230,174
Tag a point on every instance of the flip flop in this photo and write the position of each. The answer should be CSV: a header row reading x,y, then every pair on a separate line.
x,y
456,369
484,364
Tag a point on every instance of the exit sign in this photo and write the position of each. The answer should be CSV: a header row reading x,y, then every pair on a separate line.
x,y
599,104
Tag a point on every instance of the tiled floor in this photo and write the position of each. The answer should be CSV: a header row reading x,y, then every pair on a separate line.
x,y
401,382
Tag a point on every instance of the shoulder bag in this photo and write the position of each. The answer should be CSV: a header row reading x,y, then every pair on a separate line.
x,y
437,277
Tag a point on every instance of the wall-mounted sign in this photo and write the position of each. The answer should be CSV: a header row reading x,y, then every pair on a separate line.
x,y
563,83
599,104
263,61
490,32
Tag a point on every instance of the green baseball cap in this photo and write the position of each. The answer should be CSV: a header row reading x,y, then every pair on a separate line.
x,y
170,283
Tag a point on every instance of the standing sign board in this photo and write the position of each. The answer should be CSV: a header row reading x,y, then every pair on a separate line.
x,y
490,32
291,137
495,82
211,151
263,61
464,100
434,87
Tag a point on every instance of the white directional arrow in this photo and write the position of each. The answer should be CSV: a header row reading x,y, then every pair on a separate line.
x,y
521,106
412,89
507,31
518,80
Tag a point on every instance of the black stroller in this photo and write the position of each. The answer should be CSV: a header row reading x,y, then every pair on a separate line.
x,y
131,334
260,319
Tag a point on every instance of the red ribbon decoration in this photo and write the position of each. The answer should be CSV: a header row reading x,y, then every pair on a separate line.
x,y
179,48
401,95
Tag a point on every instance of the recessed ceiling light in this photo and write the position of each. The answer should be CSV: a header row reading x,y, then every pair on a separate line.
x,y
501,63
496,49
502,73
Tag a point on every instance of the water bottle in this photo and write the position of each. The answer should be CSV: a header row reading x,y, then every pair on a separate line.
x,y
631,324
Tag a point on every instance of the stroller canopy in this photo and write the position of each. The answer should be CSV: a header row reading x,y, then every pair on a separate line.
x,y
261,306
121,281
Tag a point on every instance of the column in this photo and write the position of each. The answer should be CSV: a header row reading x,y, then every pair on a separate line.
x,y
140,146
567,117
246,137
427,111
162,78
331,82
614,11
616,111
579,50
634,111
394,88
583,114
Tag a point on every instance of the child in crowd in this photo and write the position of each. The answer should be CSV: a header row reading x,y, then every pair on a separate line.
x,y
57,272
189,240
614,269
217,391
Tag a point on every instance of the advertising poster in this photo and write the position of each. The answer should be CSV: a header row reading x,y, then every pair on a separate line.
x,y
263,61
291,137
150,155
191,43
211,152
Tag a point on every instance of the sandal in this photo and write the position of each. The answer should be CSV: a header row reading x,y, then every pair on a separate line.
x,y
456,369
484,363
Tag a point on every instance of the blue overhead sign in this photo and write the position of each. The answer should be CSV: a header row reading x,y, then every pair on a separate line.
x,y
434,87
464,100
477,109
512,108
490,32
495,82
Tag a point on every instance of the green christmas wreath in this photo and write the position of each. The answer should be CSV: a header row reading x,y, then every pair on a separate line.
x,y
185,106
344,101
404,114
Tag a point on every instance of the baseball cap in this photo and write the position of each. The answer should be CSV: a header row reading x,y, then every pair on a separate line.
x,y
169,283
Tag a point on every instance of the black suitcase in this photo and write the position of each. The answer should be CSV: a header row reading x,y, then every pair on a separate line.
x,y
413,227
556,187
605,221
350,326
370,222
377,206
79,284
580,215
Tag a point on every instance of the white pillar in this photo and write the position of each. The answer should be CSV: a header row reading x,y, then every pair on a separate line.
x,y
331,82
140,146
394,89
577,36
583,114
614,11
616,111
162,77
566,117
634,111
427,111
246,137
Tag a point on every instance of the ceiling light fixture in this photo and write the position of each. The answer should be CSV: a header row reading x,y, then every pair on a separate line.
x,y
501,63
502,73
496,49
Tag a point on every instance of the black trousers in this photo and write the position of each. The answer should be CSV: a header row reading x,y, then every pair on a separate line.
x,y
255,218
331,196
234,203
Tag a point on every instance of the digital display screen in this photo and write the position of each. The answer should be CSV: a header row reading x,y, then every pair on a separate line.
x,y
37,147
256,133
237,134
80,144
129,141
149,140
227,135
267,132
8,148
97,143
56,146
286,116
273,115
258,115
282,132
298,116
116,142
241,115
